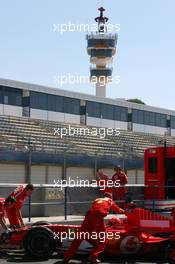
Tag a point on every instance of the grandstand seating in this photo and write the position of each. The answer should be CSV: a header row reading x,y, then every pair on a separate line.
x,y
18,133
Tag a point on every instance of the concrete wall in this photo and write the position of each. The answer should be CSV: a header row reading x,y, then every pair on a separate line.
x,y
11,110
149,129
173,132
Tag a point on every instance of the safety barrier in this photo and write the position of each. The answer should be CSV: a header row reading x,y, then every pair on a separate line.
x,y
137,197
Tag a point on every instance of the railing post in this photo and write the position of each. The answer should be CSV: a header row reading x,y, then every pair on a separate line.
x,y
65,203
29,207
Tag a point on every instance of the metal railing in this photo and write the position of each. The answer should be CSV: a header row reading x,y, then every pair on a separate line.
x,y
138,197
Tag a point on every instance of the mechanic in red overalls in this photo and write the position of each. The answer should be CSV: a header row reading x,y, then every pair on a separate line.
x,y
103,181
21,193
94,222
5,204
122,179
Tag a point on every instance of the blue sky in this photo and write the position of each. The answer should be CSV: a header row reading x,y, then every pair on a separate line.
x,y
31,51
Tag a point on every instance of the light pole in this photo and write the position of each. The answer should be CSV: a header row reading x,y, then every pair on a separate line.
x,y
28,147
29,150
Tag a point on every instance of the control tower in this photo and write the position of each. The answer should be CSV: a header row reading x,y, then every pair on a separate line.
x,y
101,47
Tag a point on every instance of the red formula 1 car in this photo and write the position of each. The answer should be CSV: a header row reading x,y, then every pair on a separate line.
x,y
42,240
150,222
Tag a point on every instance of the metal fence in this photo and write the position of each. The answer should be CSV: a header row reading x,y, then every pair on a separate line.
x,y
38,201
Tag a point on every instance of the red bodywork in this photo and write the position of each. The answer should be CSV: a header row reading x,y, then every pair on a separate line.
x,y
159,169
128,236
131,240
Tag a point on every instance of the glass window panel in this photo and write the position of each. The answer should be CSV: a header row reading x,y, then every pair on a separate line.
x,y
6,99
107,111
138,116
173,122
93,109
12,96
161,120
120,113
152,120
146,118
71,106
39,100
124,114
117,115
1,94
55,103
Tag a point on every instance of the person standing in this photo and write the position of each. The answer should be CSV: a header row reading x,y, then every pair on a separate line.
x,y
122,179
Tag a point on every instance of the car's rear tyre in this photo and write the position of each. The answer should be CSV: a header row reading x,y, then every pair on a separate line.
x,y
39,242
41,223
168,250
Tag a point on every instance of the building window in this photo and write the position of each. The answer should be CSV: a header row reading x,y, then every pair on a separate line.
x,y
6,100
172,122
1,95
11,96
161,120
149,118
18,100
120,113
138,116
152,119
93,109
55,103
124,114
39,100
107,111
72,106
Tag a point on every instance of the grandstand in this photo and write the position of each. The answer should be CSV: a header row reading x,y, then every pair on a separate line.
x,y
17,132
30,114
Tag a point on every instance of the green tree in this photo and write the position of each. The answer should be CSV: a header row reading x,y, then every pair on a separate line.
x,y
135,100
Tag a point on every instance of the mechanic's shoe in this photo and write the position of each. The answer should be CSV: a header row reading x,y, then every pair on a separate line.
x,y
95,260
66,258
65,261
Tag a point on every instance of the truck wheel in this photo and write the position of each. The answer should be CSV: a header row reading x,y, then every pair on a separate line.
x,y
39,242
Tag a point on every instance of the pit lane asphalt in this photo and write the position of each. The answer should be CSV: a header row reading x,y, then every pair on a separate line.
x,y
80,258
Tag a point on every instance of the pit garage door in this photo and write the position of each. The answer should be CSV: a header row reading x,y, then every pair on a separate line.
x,y
76,173
12,173
38,174
54,174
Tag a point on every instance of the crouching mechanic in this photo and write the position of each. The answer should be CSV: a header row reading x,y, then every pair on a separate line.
x,y
5,205
21,193
94,221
